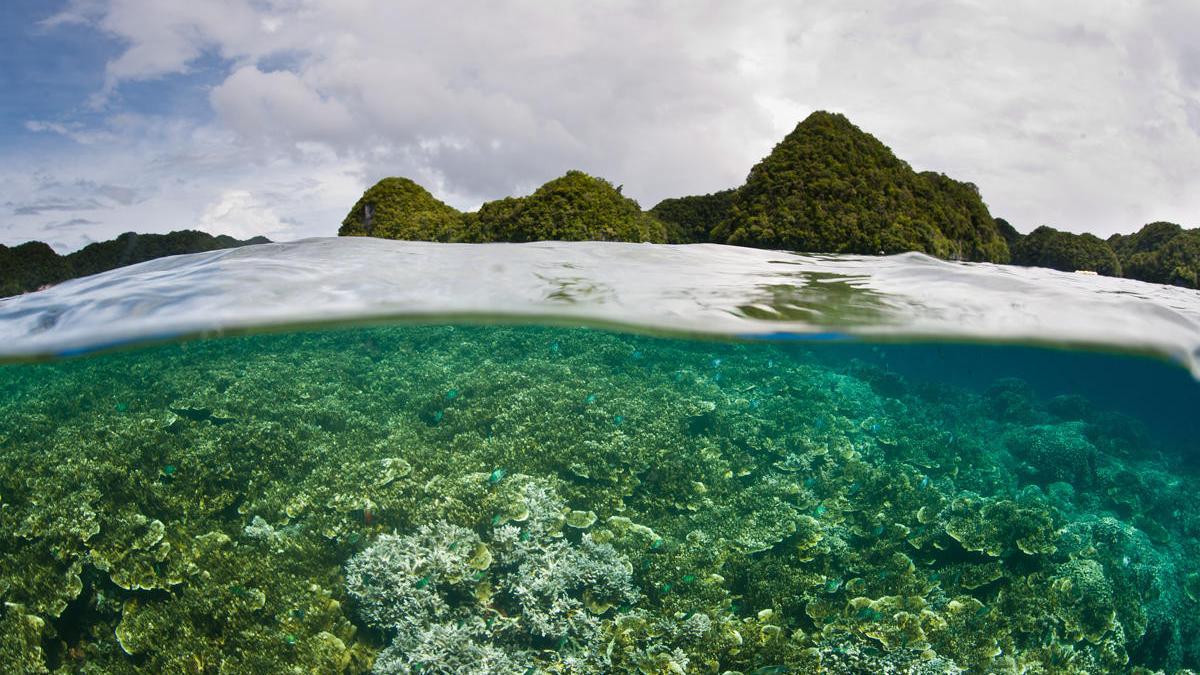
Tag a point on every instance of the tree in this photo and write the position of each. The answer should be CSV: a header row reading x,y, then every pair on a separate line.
x,y
573,207
34,264
1048,247
1160,252
830,187
398,208
690,220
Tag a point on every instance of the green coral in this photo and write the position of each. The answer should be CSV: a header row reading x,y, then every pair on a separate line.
x,y
999,527
1060,452
185,509
1085,595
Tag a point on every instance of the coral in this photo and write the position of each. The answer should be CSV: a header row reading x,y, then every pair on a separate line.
x,y
1085,595
896,622
420,497
400,582
439,596
450,649
1001,526
1059,452
21,640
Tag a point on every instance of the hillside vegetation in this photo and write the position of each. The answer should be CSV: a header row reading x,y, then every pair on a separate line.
x,y
1163,253
34,264
831,187
827,187
398,208
573,207
1048,247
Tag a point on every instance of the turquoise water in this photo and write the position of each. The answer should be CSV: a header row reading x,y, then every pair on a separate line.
x,y
635,459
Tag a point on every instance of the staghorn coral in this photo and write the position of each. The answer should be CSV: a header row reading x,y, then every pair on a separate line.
x,y
446,597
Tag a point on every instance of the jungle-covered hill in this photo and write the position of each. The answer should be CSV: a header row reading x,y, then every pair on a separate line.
x,y
32,265
827,187
573,207
1160,252
831,187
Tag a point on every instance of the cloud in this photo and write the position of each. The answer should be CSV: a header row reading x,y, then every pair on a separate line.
x,y
48,196
1082,115
175,175
239,213
279,104
74,131
71,224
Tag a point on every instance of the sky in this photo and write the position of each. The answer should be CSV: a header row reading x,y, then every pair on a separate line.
x,y
270,117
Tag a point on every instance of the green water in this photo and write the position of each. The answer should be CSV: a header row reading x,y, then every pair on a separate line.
x,y
498,499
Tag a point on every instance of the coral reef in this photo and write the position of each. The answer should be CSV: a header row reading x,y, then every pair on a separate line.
x,y
496,499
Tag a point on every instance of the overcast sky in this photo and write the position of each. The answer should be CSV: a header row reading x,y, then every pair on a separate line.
x,y
270,117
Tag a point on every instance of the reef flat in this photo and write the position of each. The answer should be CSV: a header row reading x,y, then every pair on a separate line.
x,y
444,499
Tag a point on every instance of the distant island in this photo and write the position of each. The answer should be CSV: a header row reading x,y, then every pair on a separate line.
x,y
827,187
34,264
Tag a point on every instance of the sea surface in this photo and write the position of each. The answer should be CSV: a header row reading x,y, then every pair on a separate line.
x,y
355,455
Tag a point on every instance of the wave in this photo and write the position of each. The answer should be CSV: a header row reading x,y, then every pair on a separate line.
x,y
698,290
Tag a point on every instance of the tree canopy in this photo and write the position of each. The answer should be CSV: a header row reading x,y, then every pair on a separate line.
x,y
1066,251
828,186
690,220
831,187
1160,252
398,208
34,264
573,207
30,266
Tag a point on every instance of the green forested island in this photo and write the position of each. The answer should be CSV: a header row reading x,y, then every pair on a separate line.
x,y
827,187
34,264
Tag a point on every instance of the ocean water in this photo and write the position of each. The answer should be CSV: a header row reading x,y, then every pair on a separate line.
x,y
349,456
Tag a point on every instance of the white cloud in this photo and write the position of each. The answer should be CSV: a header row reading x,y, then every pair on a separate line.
x,y
175,175
1078,114
280,105
241,214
